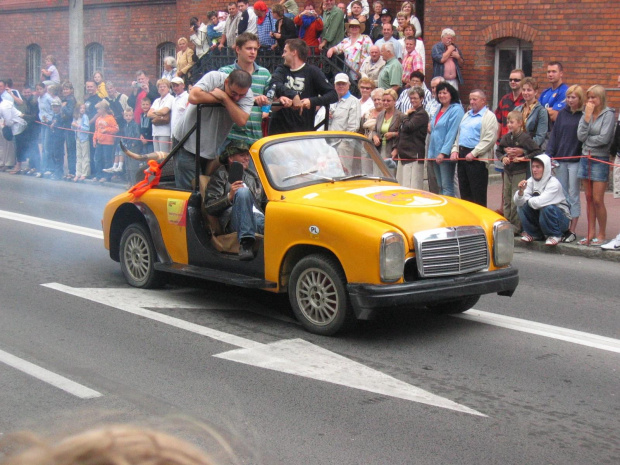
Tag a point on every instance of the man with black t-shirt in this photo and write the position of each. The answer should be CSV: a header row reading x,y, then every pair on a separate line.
x,y
301,89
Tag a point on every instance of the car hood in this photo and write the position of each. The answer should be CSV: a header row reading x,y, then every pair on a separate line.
x,y
407,209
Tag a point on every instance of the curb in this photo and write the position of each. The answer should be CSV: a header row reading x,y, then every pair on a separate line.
x,y
572,249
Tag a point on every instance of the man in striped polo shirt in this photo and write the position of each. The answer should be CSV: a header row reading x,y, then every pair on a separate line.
x,y
246,47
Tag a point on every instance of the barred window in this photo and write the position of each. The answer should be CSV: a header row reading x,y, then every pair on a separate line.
x,y
33,64
167,49
94,60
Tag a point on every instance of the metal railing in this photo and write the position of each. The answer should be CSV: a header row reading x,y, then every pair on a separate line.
x,y
216,59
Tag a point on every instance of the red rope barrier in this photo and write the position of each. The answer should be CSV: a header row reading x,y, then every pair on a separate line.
x,y
111,135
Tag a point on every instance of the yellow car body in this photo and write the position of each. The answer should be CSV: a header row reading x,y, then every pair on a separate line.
x,y
388,245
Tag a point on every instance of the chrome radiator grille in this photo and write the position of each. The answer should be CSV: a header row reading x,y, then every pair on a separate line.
x,y
451,251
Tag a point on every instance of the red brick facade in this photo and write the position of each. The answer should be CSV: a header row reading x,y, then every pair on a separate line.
x,y
581,34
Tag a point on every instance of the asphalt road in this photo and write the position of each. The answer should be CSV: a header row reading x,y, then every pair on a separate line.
x,y
183,357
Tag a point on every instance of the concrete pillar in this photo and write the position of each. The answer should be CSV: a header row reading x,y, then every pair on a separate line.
x,y
76,47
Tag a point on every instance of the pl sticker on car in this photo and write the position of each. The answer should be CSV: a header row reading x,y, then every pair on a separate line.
x,y
399,196
176,211
314,231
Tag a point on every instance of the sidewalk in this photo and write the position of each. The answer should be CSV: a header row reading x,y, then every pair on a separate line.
x,y
494,201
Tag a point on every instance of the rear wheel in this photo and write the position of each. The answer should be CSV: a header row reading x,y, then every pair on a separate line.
x,y
318,295
455,306
138,257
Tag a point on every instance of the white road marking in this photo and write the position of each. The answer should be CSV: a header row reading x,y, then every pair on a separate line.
x,y
541,329
97,234
49,377
297,357
109,297
301,358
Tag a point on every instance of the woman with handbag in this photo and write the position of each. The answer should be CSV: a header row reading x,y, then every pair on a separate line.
x,y
159,114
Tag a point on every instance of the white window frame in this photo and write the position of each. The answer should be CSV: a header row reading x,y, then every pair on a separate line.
x,y
93,60
519,46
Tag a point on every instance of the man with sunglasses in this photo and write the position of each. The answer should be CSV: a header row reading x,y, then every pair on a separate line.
x,y
507,103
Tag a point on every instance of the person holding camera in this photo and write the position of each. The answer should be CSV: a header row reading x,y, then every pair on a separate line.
x,y
141,88
310,25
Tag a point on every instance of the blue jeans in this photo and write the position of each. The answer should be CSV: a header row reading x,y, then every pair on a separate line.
x,y
244,220
104,154
567,175
45,150
548,221
444,173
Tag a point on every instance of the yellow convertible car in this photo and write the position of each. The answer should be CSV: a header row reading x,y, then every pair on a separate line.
x,y
342,237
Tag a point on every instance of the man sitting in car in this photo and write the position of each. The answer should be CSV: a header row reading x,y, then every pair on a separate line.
x,y
237,205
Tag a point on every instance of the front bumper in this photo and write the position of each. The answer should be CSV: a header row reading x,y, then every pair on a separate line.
x,y
366,298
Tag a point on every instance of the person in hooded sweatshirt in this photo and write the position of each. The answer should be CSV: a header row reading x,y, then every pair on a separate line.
x,y
542,207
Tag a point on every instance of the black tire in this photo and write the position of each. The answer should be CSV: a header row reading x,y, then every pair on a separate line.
x,y
138,257
455,306
319,297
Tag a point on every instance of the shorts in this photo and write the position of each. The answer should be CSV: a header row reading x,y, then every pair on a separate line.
x,y
593,169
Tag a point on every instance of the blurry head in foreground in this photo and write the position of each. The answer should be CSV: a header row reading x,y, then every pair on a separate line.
x,y
112,445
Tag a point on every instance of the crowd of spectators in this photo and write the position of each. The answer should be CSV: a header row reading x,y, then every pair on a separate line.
x,y
454,136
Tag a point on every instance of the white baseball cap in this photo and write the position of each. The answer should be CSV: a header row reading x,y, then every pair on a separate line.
x,y
341,77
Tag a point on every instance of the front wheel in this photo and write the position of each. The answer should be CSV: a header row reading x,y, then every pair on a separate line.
x,y
318,295
455,306
138,257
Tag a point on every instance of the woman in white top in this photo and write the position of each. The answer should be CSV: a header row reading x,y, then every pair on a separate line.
x,y
366,86
160,116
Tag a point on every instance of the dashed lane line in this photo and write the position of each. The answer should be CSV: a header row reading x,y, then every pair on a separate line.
x,y
49,377
541,329
97,234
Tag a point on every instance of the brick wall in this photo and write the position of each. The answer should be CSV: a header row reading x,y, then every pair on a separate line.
x,y
580,34
129,32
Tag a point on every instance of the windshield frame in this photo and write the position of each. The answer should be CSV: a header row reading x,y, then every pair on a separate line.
x,y
374,155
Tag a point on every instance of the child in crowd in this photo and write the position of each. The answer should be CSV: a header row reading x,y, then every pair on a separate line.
x,y
146,127
515,150
103,139
56,142
50,73
81,125
130,137
131,140
102,91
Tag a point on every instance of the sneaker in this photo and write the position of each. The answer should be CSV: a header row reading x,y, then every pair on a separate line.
x,y
109,170
245,250
37,175
118,170
569,236
552,240
614,244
